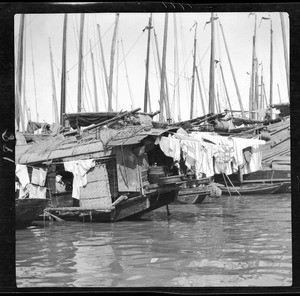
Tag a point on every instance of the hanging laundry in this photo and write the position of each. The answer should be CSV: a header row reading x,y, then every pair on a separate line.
x,y
79,168
170,147
22,174
36,191
42,177
38,176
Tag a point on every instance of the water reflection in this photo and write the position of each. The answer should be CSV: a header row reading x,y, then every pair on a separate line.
x,y
231,241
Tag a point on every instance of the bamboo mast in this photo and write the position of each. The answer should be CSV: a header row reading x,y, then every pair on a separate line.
x,y
54,98
159,67
19,72
80,62
33,73
112,59
279,93
200,90
252,84
287,67
225,87
261,103
271,66
194,69
211,103
146,93
232,71
176,71
94,78
103,61
63,73
163,98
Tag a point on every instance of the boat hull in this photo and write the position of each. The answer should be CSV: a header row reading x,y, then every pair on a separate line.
x,y
252,190
127,208
28,209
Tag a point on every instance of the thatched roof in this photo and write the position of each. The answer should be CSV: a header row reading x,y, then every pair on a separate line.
x,y
66,148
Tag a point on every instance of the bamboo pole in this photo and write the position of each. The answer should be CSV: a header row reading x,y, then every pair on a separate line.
x,y
19,71
226,92
163,98
80,62
112,59
200,90
193,75
146,91
54,98
286,59
63,73
103,61
94,77
252,84
211,104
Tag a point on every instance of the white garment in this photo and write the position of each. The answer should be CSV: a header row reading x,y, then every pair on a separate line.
x,y
170,147
38,176
22,174
256,157
79,168
36,191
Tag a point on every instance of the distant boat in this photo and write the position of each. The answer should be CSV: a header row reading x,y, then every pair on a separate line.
x,y
253,189
28,210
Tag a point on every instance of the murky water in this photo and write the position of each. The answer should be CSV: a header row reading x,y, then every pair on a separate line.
x,y
231,241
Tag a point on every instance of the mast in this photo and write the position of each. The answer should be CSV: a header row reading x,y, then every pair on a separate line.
x,y
19,72
211,105
163,98
271,66
166,93
261,103
271,61
146,94
112,58
252,84
226,92
80,62
193,75
279,93
103,61
200,90
232,71
176,71
54,99
287,68
94,77
63,73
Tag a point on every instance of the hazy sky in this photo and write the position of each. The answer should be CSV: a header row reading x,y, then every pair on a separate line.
x,y
129,65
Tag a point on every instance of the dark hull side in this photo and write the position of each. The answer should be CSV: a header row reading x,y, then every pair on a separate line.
x,y
129,208
252,190
29,209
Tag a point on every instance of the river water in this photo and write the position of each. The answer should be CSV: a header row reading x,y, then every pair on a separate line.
x,y
231,241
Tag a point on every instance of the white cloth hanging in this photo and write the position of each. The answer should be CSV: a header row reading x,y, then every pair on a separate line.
x,y
79,168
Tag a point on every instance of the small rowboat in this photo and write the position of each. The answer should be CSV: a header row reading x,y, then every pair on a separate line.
x,y
256,189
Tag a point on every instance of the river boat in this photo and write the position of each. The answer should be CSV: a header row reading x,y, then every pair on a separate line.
x,y
115,161
28,210
251,189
